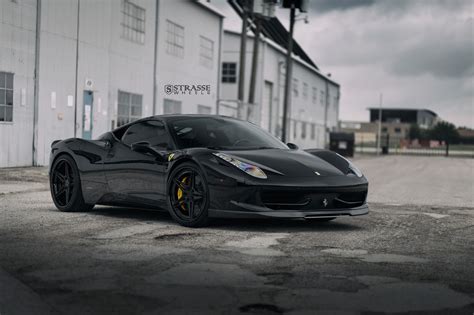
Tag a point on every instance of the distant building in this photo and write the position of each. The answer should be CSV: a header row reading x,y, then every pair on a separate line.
x,y
75,68
466,135
424,118
396,124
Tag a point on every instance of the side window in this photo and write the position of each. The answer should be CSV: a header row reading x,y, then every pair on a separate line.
x,y
151,131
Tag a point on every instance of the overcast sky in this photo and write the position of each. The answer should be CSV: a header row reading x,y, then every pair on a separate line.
x,y
418,53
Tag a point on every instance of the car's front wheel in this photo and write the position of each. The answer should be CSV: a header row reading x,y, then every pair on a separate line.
x,y
65,185
188,195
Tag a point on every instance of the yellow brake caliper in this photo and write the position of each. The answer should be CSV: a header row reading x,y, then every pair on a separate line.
x,y
180,193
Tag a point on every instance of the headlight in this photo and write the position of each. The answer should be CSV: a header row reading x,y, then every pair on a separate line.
x,y
352,167
355,169
250,169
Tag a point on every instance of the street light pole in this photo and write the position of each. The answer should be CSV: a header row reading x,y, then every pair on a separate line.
x,y
289,68
379,133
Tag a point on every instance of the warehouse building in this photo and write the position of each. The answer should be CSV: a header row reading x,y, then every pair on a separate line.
x,y
78,68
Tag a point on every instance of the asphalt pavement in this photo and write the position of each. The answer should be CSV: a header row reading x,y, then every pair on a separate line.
x,y
413,253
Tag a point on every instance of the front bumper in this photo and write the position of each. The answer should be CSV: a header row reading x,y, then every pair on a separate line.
x,y
252,211
286,197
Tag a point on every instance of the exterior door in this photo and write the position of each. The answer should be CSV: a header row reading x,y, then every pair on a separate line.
x,y
87,119
265,114
135,175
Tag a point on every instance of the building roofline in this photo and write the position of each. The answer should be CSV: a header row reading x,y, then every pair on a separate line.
x,y
284,51
405,108
210,8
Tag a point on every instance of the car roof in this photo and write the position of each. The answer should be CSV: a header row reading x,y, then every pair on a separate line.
x,y
171,117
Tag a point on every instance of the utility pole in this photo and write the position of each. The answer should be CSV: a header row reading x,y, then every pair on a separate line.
x,y
379,133
243,51
77,67
326,114
289,68
253,76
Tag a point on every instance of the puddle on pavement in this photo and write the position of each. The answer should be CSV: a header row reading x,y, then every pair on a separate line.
x,y
395,296
392,258
208,275
345,252
174,236
258,245
135,252
373,258
129,231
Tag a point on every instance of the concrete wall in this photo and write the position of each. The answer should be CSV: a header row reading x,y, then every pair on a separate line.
x,y
17,55
303,111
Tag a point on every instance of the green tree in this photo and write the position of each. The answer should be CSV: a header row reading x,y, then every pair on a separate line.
x,y
444,131
414,132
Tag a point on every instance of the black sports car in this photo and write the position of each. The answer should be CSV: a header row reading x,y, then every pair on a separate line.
x,y
201,166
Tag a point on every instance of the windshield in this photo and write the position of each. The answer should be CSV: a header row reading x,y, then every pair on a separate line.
x,y
221,134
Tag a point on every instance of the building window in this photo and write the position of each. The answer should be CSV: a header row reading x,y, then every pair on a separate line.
x,y
229,72
6,96
206,52
171,106
174,39
133,22
305,90
384,129
129,107
398,130
321,98
313,131
335,102
295,87
206,110
303,130
315,95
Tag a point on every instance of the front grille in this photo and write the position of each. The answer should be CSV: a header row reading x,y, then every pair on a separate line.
x,y
313,199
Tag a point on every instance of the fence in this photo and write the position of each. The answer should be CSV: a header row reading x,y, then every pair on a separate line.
x,y
392,144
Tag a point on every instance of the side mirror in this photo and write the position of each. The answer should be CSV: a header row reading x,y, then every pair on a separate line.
x,y
107,144
145,147
292,146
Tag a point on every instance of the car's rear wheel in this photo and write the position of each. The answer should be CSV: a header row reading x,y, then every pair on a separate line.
x,y
188,195
65,185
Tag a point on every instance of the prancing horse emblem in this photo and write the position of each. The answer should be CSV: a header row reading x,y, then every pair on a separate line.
x,y
325,202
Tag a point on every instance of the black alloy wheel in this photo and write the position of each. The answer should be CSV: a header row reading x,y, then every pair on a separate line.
x,y
188,196
65,186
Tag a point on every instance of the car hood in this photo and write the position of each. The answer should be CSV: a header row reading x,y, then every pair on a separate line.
x,y
287,162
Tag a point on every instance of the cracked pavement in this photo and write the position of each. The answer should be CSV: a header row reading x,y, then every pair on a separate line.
x,y
409,255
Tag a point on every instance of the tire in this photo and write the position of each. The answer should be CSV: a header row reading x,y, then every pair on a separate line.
x,y
187,189
65,186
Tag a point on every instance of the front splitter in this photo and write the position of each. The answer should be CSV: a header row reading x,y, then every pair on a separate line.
x,y
252,211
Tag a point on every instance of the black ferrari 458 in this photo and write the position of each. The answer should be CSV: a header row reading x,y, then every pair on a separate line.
x,y
202,166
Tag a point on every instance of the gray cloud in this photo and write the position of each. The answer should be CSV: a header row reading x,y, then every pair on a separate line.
x,y
324,6
418,53
384,7
441,59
